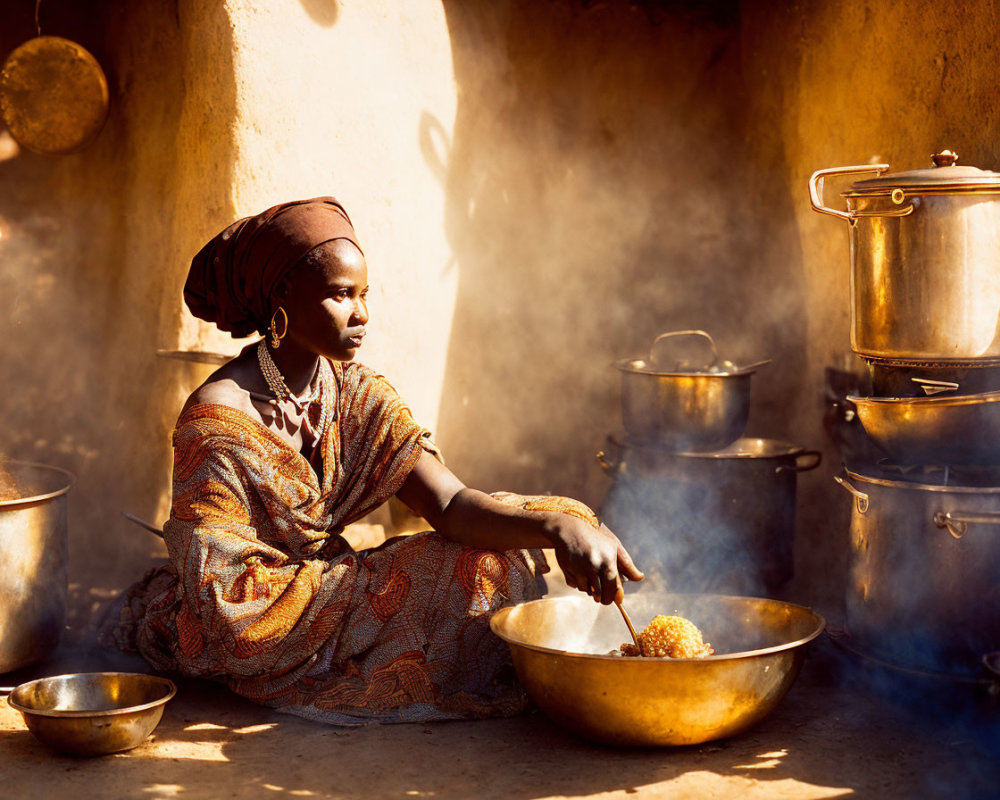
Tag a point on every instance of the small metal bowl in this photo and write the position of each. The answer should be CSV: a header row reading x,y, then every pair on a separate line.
x,y
93,713
957,430
561,645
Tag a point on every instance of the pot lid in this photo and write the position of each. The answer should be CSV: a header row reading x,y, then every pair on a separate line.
x,y
644,367
746,447
53,95
686,354
944,175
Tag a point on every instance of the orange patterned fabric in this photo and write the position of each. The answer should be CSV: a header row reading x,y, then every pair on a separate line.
x,y
262,593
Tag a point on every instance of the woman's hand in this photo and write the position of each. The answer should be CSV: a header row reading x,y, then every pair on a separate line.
x,y
592,559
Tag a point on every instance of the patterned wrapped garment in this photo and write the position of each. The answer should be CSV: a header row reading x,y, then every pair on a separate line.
x,y
262,592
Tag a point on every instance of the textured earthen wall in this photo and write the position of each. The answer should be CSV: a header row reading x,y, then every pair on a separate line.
x,y
92,246
355,101
217,112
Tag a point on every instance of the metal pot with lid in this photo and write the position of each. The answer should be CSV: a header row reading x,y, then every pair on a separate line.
x,y
682,396
925,262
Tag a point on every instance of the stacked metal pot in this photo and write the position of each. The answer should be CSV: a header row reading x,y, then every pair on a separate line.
x,y
694,500
924,587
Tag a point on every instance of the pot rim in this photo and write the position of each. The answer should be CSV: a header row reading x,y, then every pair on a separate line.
x,y
927,487
71,713
945,177
992,662
820,626
982,398
18,501
640,366
885,190
783,449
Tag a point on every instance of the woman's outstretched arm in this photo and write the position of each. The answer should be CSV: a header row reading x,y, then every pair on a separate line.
x,y
592,559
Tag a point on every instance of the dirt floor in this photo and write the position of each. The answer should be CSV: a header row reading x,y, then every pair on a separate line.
x,y
842,731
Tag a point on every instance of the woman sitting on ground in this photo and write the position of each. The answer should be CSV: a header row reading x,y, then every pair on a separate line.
x,y
285,445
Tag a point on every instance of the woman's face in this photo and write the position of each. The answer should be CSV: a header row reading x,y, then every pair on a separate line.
x,y
325,299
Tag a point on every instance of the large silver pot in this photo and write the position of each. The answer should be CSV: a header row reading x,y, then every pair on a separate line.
x,y
925,262
33,555
721,521
924,589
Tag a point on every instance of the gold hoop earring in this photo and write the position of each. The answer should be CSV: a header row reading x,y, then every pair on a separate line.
x,y
273,328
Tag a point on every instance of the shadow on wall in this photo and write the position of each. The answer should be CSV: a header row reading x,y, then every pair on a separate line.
x,y
91,264
323,12
599,193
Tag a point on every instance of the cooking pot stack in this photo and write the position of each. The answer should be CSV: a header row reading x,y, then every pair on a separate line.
x,y
924,592
694,500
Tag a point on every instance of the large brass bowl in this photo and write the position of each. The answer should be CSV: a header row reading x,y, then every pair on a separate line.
x,y
560,648
93,713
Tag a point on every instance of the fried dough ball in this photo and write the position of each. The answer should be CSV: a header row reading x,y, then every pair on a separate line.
x,y
673,637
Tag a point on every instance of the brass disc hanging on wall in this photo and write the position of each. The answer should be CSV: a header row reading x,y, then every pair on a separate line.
x,y
53,95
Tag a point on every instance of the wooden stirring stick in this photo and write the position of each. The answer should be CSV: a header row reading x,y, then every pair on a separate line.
x,y
619,597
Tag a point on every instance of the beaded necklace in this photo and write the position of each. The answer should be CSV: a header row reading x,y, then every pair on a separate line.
x,y
276,383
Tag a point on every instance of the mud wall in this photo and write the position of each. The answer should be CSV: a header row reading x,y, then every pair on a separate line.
x,y
91,247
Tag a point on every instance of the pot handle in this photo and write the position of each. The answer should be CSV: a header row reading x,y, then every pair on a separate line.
x,y
671,334
957,522
860,498
610,464
607,466
143,524
992,662
797,467
816,193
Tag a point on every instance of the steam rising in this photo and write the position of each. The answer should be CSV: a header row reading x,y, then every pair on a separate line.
x,y
674,531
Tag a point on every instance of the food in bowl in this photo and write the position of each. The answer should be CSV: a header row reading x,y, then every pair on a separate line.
x,y
669,637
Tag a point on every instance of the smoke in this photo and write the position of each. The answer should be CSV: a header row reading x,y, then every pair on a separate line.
x,y
41,301
705,524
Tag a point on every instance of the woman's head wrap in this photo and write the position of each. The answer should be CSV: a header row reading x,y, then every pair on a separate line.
x,y
233,276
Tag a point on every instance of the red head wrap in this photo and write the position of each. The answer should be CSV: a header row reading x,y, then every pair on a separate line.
x,y
233,276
